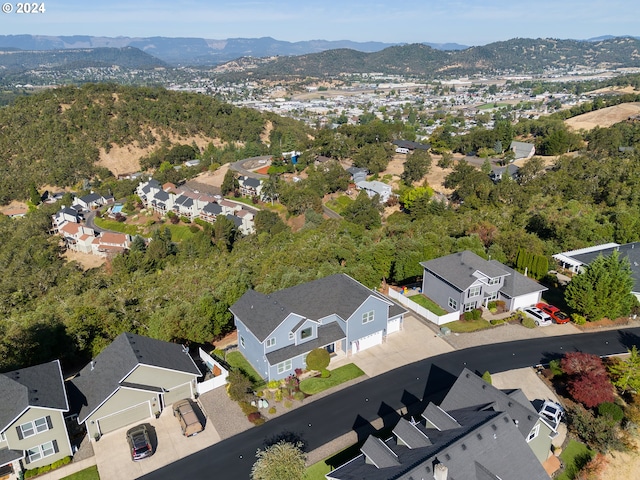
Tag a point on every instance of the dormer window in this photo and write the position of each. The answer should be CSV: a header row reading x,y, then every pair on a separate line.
x,y
306,333
493,281
271,342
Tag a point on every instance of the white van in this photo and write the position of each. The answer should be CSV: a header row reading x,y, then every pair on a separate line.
x,y
402,150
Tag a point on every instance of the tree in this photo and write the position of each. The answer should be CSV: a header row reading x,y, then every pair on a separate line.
x,y
625,373
416,166
269,222
588,381
603,289
269,189
230,183
281,461
364,211
318,359
34,196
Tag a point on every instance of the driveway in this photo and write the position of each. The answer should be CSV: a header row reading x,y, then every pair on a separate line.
x,y
112,450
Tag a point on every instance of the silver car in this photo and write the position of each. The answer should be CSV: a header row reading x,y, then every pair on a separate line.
x,y
538,316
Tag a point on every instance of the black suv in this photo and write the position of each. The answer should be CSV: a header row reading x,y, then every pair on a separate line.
x,y
139,442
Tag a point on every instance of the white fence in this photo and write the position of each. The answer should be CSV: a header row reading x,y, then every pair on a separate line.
x,y
215,382
420,310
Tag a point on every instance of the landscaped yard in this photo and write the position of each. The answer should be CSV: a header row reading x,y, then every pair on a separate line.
x,y
465,326
90,473
179,232
236,359
428,304
340,375
339,204
317,471
574,457
108,224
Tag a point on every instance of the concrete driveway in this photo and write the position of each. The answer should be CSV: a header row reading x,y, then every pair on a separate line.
x,y
112,450
416,341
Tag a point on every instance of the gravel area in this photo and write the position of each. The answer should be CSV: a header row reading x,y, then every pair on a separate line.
x,y
225,414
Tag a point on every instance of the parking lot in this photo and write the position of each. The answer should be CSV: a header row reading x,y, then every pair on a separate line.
x,y
114,459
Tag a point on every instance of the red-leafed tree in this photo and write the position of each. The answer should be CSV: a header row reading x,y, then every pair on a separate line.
x,y
588,382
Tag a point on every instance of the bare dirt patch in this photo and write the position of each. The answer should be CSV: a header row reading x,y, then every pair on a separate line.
x,y
604,117
86,260
13,205
213,179
623,465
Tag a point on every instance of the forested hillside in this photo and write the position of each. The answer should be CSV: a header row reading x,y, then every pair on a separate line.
x,y
55,137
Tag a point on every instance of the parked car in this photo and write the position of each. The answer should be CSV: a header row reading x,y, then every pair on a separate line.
x,y
554,312
538,316
139,442
553,412
189,422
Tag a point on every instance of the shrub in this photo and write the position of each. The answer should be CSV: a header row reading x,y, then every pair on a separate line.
x,y
486,376
247,408
318,359
554,366
611,410
298,372
497,322
325,373
588,382
238,386
299,396
252,417
596,432
273,384
288,404
47,468
194,229
528,322
185,219
578,319
492,305
272,410
260,393
278,395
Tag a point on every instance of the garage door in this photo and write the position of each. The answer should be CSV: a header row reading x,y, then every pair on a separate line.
x,y
393,325
366,342
178,393
131,415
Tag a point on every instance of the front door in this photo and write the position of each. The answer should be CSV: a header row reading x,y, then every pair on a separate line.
x,y
331,347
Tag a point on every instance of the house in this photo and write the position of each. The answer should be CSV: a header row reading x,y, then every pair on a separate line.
x,y
88,202
576,260
522,149
131,380
480,440
77,237
33,402
278,330
15,212
110,243
410,146
249,186
358,174
375,188
464,281
499,173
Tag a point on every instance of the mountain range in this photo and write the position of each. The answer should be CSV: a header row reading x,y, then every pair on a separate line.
x,y
198,51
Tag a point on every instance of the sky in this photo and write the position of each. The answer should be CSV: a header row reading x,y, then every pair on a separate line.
x,y
467,22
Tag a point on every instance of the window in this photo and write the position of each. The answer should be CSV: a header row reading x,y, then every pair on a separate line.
x,y
474,291
284,366
534,432
242,341
271,342
469,306
45,450
291,336
491,297
38,425
368,317
494,281
453,304
306,332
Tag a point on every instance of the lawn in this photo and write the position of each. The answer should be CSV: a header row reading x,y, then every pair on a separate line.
x,y
90,473
317,471
466,326
179,232
574,457
340,375
339,204
487,106
109,224
428,304
245,200
236,359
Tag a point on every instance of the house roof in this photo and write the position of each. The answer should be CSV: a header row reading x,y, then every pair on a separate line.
x,y
102,377
336,294
458,268
469,390
410,435
411,145
212,208
237,221
326,334
517,284
8,456
161,195
250,182
92,197
113,238
486,445
38,386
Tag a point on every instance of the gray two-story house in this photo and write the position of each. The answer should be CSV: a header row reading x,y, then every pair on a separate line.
x,y
33,433
277,331
464,281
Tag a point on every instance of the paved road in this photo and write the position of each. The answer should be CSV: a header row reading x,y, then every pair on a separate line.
x,y
89,222
405,387
239,166
330,213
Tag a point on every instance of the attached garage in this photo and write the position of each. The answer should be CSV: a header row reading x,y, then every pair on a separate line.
x,y
137,413
393,325
366,342
525,300
178,393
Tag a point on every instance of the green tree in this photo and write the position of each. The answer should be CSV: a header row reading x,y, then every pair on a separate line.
x,y
416,166
230,183
364,211
625,373
603,289
281,461
34,196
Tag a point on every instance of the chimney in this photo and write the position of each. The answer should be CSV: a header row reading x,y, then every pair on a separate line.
x,y
440,472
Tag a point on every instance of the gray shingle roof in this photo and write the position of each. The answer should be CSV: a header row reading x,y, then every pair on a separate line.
x,y
410,435
440,419
37,386
97,381
161,196
458,268
212,208
470,390
517,284
7,456
336,294
326,334
379,453
237,221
